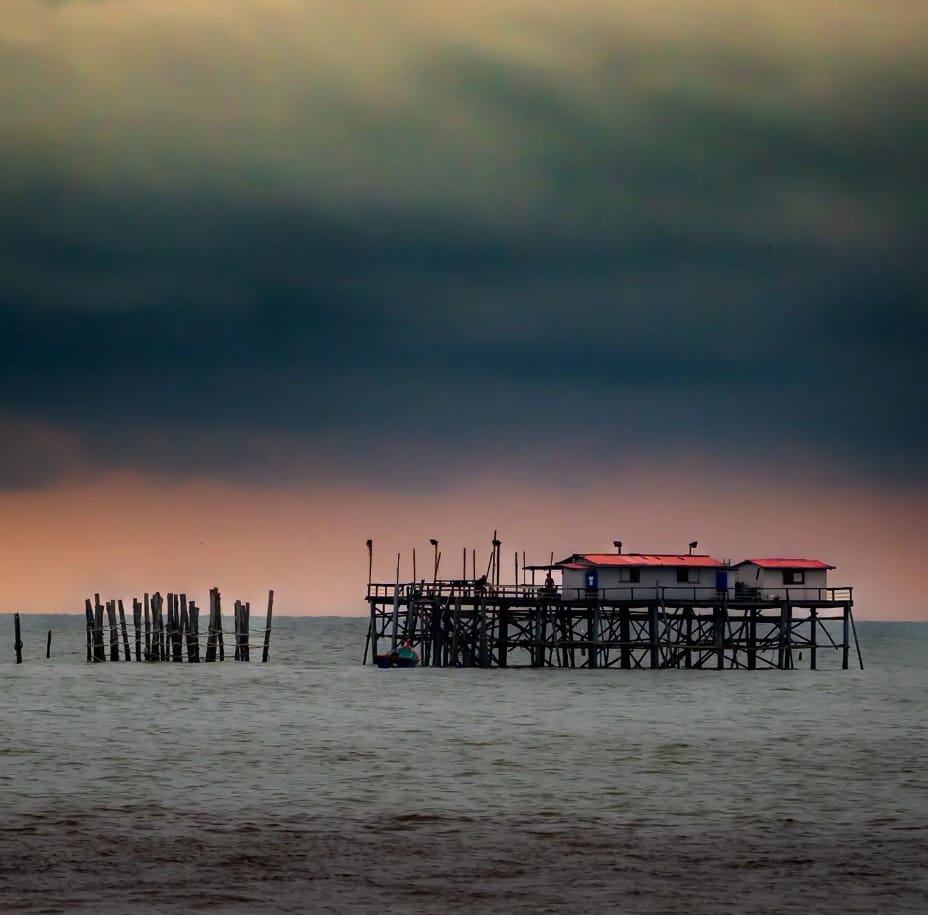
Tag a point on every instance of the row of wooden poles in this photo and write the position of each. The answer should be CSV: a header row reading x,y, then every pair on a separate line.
x,y
167,630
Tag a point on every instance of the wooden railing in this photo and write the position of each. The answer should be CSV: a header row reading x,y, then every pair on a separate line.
x,y
467,588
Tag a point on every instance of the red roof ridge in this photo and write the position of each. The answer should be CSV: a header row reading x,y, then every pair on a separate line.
x,y
782,562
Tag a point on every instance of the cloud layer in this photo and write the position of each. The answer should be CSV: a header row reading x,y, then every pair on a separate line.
x,y
284,239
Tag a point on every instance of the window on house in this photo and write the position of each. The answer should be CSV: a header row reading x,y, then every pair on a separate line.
x,y
631,575
686,575
793,577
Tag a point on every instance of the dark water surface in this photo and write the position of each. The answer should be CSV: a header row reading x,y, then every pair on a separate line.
x,y
312,784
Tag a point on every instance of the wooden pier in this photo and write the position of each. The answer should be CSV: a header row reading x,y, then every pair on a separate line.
x,y
474,623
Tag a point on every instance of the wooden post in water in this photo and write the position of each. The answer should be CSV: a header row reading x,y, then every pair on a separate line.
x,y
813,639
236,625
48,645
17,639
267,628
147,629
246,632
127,654
846,645
137,627
185,627
99,650
752,638
195,630
219,636
88,614
211,638
654,635
502,647
157,618
177,634
719,615
114,631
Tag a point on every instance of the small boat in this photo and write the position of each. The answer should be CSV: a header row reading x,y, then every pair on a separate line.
x,y
405,657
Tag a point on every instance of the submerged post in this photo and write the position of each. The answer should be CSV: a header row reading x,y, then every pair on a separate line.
x,y
48,645
17,640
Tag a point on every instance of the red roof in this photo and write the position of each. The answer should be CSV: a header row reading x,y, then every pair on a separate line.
x,y
788,563
585,560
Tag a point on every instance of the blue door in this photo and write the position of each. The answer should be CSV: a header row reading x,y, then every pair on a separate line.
x,y
591,579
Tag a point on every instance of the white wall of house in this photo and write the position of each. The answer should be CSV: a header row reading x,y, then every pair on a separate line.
x,y
617,577
771,581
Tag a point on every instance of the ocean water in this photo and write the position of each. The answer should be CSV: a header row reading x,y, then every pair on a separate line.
x,y
312,784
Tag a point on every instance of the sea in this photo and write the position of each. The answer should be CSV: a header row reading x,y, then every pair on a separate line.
x,y
315,784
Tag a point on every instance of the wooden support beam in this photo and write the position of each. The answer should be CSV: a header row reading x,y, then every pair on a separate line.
x,y
813,639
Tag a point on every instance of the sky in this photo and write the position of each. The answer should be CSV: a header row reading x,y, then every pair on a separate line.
x,y
280,275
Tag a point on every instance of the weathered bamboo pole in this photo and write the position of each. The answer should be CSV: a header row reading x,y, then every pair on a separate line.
x,y
127,654
267,628
17,639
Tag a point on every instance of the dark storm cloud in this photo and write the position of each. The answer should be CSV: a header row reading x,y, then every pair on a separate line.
x,y
617,267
